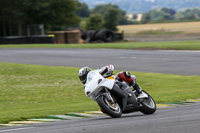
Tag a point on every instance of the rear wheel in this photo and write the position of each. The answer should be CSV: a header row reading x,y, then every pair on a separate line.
x,y
109,107
148,105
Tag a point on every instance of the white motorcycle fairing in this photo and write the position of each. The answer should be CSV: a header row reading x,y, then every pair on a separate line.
x,y
95,83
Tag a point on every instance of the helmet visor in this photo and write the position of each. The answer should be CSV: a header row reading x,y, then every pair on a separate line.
x,y
83,78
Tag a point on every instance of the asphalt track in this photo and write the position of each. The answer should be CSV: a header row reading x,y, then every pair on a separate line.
x,y
185,119
173,62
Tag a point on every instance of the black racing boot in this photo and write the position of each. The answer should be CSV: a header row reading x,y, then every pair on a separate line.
x,y
137,88
139,91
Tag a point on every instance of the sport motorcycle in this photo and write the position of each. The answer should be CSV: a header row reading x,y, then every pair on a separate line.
x,y
99,88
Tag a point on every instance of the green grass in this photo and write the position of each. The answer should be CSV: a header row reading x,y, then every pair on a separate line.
x,y
176,45
29,91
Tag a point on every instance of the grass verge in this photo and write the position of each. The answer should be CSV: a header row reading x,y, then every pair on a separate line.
x,y
28,91
176,45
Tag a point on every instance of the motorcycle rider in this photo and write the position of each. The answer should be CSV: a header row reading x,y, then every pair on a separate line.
x,y
121,76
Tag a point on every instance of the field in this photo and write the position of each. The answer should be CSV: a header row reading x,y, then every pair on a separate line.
x,y
186,27
161,32
29,91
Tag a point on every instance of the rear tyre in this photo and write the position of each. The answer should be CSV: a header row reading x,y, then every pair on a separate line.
x,y
108,107
148,105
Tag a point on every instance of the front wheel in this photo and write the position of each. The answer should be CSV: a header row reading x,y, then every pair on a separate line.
x,y
148,105
109,107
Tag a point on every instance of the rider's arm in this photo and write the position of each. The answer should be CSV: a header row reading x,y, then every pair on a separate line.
x,y
105,69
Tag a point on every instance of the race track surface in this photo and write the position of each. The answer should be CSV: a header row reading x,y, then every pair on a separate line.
x,y
173,62
184,119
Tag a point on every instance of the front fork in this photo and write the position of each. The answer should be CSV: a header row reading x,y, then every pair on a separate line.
x,y
108,96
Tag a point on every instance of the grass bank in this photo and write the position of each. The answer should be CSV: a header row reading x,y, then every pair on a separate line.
x,y
175,45
28,91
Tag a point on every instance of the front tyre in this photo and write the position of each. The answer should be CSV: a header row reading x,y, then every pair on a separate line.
x,y
108,107
148,105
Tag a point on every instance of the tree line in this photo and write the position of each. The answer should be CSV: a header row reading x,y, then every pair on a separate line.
x,y
143,6
102,16
171,15
16,15
109,16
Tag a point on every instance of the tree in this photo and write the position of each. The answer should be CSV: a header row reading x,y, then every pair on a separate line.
x,y
94,22
191,13
146,18
83,10
15,16
169,11
62,14
179,16
103,9
123,19
134,16
8,17
26,14
156,16
111,18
